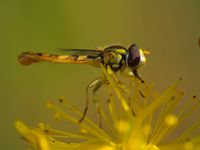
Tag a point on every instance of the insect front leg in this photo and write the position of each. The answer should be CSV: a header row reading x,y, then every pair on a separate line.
x,y
137,76
132,73
95,84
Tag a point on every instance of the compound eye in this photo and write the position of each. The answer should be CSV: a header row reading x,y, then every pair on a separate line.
x,y
133,57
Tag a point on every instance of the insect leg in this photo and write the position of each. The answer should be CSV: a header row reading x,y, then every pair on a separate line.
x,y
95,84
137,76
131,73
99,82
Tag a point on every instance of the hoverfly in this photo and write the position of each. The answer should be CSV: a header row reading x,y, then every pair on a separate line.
x,y
117,57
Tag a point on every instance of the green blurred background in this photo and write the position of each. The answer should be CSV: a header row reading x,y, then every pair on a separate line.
x,y
169,29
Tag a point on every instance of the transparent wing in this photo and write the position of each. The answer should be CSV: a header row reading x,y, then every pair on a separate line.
x,y
90,52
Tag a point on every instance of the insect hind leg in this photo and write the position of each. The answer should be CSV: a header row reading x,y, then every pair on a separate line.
x,y
95,84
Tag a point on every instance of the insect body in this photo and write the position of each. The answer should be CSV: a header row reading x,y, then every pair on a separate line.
x,y
118,58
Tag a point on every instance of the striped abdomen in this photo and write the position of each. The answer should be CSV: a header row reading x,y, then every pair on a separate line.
x,y
28,58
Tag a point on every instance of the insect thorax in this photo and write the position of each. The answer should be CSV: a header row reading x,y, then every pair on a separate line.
x,y
115,57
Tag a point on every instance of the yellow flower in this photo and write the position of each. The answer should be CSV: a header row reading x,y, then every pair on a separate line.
x,y
135,118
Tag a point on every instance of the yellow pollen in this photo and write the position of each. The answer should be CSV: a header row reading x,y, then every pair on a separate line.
x,y
171,120
188,146
106,148
123,126
147,129
83,131
151,147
